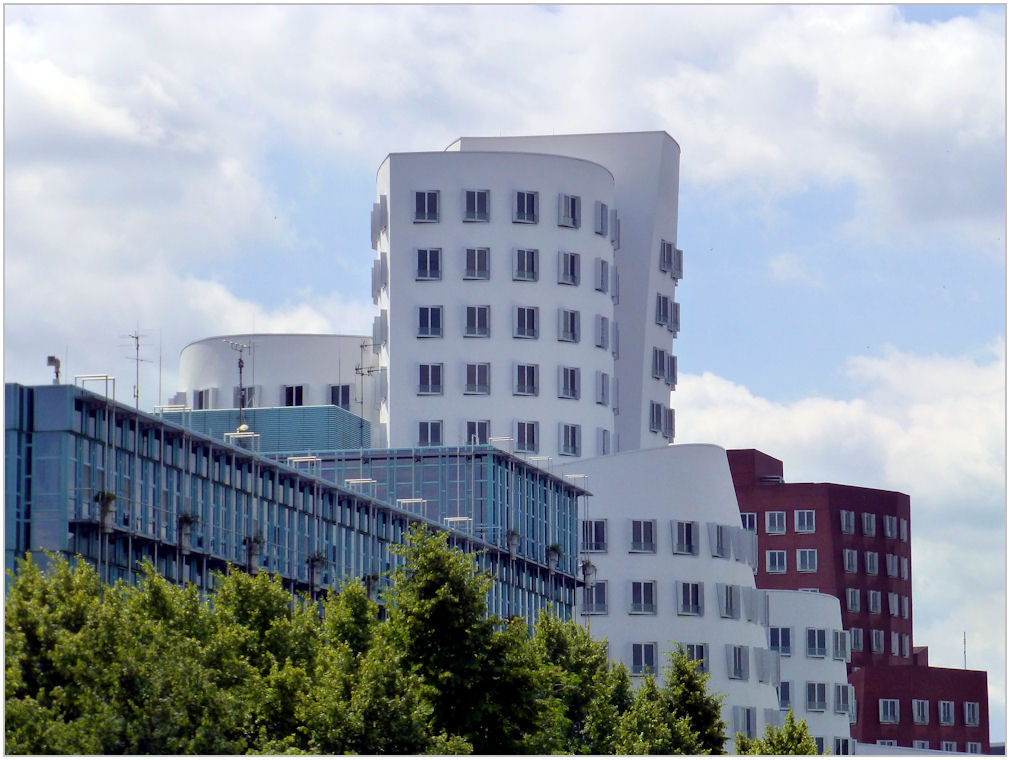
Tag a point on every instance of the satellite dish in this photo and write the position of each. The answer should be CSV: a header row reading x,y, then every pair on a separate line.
x,y
243,428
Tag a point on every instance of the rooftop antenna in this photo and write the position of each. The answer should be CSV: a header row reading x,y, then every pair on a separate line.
x,y
361,370
240,347
964,646
53,362
135,337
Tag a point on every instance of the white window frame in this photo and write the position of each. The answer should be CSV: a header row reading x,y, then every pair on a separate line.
x,y
429,433
478,379
840,645
873,601
920,712
945,710
893,605
477,432
876,640
430,321
601,332
891,565
294,395
780,640
655,417
690,597
902,529
843,698
852,599
848,521
869,524
804,521
594,598
775,561
601,218
973,748
662,309
473,200
971,714
526,265
843,745
429,264
478,264
643,536
569,325
729,600
426,206
522,376
806,560
890,526
686,537
856,639
643,598
920,744
569,382
430,379
817,642
592,530
906,607
698,653
775,523
889,710
784,691
948,746
602,388
569,268
738,662
523,430
903,568
522,213
475,316
817,696
570,439
871,563
643,658
521,327
850,560
749,521
569,211
601,275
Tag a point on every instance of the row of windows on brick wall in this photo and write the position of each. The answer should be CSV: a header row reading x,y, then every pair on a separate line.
x,y
894,566
804,521
890,712
525,268
525,438
525,325
901,643
733,601
475,206
897,604
476,377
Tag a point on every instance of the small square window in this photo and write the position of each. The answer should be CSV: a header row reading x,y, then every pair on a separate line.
x,y
775,522
477,432
478,264
775,561
340,395
889,711
804,520
946,746
294,395
429,433
806,560
749,521
429,264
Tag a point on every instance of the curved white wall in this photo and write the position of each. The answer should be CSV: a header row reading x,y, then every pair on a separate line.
x,y
799,612
665,485
315,362
400,294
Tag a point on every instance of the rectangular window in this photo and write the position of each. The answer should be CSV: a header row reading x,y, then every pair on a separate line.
x,y
340,395
601,275
643,536
850,560
906,607
873,601
655,417
476,206
601,332
890,526
920,744
527,380
870,562
779,640
806,560
429,264
429,379
246,396
785,695
729,600
527,322
478,264
602,388
569,268
903,565
685,537
426,206
920,711
643,597
775,522
973,748
843,746
887,742
665,256
848,521
643,659
738,662
775,561
852,599
903,529
527,438
602,441
946,712
658,363
840,645
569,211
294,395
571,440
478,378
569,382
817,696
527,265
527,208
429,321
946,746
971,713
477,431
718,539
594,535
601,218
817,642
804,520
671,371
662,309
891,565
429,433
906,644
699,654
595,598
856,639
892,603
745,721
869,524
889,711
478,322
843,698
690,598
568,325
201,399
877,641
749,521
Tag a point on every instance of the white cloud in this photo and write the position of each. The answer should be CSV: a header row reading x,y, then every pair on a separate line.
x,y
929,426
792,267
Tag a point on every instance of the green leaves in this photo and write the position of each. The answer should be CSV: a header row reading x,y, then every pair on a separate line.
x,y
791,739
156,669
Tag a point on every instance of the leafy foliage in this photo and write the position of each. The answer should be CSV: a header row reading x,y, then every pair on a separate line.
x,y
156,669
791,739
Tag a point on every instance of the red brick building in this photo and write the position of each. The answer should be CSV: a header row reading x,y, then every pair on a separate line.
x,y
853,543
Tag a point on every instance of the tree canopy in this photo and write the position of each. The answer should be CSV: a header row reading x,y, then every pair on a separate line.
x,y
156,669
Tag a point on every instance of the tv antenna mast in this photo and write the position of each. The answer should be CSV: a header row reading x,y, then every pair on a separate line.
x,y
135,337
240,347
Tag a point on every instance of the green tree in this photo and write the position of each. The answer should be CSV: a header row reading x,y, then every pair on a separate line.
x,y
685,686
792,738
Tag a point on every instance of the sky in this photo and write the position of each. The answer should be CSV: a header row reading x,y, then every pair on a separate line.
x,y
179,172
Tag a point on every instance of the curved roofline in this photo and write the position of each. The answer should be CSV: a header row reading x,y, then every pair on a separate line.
x,y
492,153
278,335
570,134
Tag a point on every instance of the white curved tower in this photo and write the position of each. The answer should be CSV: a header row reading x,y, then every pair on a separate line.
x,y
673,565
493,280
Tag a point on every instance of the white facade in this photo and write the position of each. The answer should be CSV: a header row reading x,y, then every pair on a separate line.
x,y
646,171
805,628
674,565
501,295
281,370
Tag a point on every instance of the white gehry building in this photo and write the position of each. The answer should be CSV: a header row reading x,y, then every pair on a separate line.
x,y
805,628
526,289
673,565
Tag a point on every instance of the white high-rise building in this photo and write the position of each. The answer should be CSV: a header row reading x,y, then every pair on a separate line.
x,y
526,293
